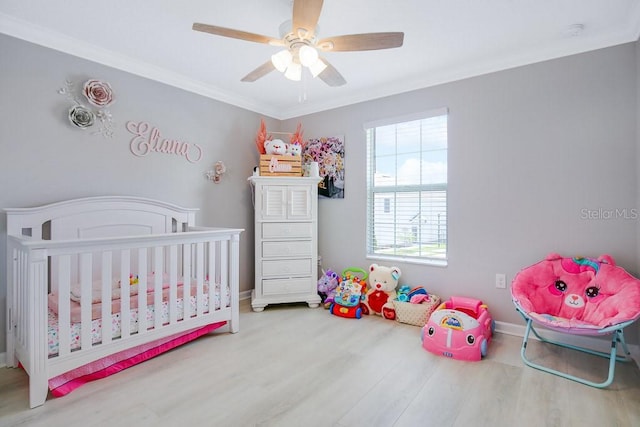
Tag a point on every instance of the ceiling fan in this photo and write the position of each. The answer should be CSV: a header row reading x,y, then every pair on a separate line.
x,y
301,45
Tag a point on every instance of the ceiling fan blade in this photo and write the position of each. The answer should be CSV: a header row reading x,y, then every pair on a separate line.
x,y
368,41
234,34
331,76
305,15
261,71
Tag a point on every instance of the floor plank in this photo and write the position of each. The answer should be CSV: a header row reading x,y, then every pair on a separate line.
x,y
295,366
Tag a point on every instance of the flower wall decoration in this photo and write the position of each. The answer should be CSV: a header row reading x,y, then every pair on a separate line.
x,y
329,153
81,116
99,95
215,175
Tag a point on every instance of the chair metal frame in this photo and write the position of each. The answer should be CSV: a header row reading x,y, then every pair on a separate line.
x,y
616,331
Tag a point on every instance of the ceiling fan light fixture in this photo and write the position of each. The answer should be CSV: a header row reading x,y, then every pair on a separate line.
x,y
294,72
281,60
308,55
317,67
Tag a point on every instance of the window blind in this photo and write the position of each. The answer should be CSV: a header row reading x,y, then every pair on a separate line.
x,y
407,186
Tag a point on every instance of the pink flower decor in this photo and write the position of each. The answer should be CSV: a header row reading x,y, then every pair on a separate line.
x,y
83,116
98,93
329,153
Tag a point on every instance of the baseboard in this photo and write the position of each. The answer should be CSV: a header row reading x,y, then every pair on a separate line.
x,y
245,295
591,343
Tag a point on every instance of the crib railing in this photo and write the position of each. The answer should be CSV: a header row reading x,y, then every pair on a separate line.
x,y
199,259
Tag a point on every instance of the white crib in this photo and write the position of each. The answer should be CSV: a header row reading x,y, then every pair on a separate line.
x,y
142,256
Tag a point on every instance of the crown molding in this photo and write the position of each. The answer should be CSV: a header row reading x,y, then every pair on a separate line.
x,y
29,32
465,71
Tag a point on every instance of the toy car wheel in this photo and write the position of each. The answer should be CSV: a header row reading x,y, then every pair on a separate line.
x,y
483,347
358,313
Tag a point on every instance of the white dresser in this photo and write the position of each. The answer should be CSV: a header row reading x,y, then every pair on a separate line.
x,y
286,241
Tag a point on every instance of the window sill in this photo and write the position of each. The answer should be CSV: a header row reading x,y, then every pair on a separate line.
x,y
426,262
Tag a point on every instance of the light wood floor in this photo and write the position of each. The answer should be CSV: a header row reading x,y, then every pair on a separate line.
x,y
295,366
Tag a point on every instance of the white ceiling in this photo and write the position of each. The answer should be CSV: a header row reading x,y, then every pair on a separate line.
x,y
445,40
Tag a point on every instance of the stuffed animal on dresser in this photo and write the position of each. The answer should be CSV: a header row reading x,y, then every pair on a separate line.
x,y
294,149
275,146
381,291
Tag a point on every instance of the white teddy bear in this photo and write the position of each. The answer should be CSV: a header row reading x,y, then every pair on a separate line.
x,y
275,146
381,291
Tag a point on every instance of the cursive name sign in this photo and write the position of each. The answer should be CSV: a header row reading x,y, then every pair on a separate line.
x,y
275,166
148,138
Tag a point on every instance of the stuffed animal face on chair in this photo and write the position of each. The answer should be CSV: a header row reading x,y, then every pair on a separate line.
x,y
381,291
594,291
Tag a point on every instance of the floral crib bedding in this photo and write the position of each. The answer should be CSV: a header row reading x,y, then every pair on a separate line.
x,y
221,299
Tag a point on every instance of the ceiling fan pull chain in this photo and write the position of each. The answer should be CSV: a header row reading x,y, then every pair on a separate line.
x,y
302,97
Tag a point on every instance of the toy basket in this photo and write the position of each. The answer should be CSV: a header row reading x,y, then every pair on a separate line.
x,y
416,314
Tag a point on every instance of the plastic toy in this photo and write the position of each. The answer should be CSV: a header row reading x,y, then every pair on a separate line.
x,y
348,297
461,328
382,291
327,285
403,293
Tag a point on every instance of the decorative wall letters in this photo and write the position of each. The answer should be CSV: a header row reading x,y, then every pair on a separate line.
x,y
148,138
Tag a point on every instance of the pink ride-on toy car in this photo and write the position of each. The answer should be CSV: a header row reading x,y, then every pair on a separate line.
x,y
460,328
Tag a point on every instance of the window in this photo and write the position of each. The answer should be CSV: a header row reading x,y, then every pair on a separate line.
x,y
407,188
387,205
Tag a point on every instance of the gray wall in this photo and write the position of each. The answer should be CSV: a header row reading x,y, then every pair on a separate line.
x,y
638,155
529,149
44,159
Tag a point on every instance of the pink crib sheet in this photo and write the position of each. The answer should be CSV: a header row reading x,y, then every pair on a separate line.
x,y
116,324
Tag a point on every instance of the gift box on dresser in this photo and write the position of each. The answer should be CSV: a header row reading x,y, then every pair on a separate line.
x,y
417,312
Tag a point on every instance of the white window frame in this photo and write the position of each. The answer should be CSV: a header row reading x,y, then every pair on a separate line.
x,y
393,191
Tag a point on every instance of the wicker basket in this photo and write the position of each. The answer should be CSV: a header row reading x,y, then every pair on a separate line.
x,y
416,314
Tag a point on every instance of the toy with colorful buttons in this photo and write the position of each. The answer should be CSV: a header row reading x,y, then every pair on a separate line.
x,y
349,292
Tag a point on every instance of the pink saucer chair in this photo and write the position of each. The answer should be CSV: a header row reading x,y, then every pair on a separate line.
x,y
577,296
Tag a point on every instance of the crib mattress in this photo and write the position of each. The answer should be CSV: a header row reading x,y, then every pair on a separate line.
x,y
221,299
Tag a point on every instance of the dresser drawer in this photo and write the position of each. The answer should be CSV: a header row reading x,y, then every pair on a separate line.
x,y
286,286
286,249
288,267
271,230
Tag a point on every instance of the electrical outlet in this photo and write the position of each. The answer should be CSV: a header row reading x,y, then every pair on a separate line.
x,y
501,281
